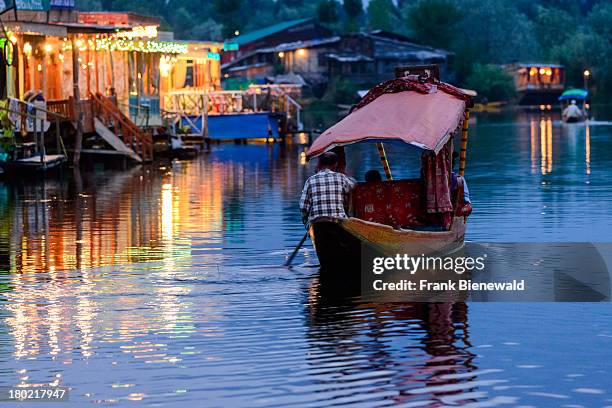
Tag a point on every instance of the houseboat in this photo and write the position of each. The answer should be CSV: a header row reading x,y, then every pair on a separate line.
x,y
537,83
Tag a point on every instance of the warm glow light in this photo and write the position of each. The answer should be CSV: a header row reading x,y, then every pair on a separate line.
x,y
549,72
48,48
301,52
39,67
236,33
142,32
61,57
542,71
586,73
281,54
533,71
165,66
27,48
79,43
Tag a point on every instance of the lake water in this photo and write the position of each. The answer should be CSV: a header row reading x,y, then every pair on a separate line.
x,y
161,285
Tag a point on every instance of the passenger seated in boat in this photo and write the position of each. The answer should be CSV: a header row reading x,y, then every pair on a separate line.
x,y
458,183
372,176
326,193
572,112
339,150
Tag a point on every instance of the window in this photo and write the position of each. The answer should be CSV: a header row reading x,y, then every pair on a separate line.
x,y
189,75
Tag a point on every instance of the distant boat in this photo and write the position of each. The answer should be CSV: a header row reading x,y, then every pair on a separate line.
x,y
576,97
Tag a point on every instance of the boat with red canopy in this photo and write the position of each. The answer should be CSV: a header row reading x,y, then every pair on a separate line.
x,y
427,215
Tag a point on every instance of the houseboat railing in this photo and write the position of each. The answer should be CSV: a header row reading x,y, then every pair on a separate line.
x,y
258,98
140,114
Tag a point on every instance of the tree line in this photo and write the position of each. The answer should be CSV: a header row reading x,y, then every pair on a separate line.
x,y
481,34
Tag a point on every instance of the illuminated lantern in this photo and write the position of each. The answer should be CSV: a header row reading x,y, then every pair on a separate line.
x,y
27,49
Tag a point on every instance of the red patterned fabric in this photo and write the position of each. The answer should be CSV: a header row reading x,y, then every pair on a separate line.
x,y
370,202
406,203
396,203
405,84
437,173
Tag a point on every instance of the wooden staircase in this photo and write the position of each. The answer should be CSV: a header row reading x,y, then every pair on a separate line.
x,y
108,116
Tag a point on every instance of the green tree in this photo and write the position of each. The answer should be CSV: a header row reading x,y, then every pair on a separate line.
x,y
433,22
342,90
491,82
553,26
353,8
207,30
382,15
590,49
600,19
327,11
498,30
228,13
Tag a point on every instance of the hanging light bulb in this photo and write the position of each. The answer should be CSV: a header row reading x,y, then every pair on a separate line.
x,y
27,49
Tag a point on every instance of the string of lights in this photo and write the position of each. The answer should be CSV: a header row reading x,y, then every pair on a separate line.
x,y
125,44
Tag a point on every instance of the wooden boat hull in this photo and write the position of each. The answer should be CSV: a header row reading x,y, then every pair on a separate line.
x,y
339,243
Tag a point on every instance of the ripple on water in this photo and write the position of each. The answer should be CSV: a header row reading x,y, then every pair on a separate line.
x,y
161,285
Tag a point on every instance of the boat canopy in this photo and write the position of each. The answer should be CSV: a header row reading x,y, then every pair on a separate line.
x,y
579,94
421,114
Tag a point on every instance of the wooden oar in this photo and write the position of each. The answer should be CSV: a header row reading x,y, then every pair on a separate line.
x,y
297,248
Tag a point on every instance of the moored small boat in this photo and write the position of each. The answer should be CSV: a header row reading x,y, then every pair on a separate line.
x,y
574,106
34,165
393,217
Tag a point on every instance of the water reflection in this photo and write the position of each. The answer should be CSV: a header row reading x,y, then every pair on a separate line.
x,y
587,149
162,284
406,352
546,131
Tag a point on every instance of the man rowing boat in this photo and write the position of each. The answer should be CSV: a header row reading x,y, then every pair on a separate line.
x,y
326,193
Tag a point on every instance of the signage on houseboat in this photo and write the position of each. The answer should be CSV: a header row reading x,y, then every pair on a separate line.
x,y
38,5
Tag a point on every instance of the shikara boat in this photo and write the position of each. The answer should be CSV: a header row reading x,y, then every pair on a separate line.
x,y
413,216
578,97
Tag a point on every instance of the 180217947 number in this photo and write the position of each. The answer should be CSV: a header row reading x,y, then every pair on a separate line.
x,y
33,394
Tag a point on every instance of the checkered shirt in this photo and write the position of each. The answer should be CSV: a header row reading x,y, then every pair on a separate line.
x,y
325,194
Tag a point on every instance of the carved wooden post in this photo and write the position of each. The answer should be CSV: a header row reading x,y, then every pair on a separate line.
x,y
78,144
